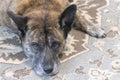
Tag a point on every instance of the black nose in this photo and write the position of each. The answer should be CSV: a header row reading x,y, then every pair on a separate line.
x,y
48,70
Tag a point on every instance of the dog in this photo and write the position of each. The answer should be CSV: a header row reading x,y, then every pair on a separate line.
x,y
44,26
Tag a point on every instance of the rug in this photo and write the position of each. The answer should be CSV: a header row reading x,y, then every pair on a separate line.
x,y
85,57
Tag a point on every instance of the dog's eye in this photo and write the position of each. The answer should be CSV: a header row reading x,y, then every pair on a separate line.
x,y
35,45
55,45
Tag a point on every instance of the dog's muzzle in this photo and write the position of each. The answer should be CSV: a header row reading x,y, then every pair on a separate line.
x,y
46,64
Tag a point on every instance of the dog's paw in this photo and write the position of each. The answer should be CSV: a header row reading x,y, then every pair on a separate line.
x,y
97,32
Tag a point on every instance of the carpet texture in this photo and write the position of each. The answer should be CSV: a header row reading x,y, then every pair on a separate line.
x,y
85,57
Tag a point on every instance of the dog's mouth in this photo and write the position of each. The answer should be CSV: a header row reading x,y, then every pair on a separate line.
x,y
40,71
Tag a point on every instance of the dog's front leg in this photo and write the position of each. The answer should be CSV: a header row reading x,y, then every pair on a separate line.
x,y
89,28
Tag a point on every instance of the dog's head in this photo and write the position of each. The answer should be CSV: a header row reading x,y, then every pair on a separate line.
x,y
44,37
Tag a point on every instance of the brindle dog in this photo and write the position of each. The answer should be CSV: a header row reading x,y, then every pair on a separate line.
x,y
44,26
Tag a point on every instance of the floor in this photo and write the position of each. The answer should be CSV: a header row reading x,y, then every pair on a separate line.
x,y
86,57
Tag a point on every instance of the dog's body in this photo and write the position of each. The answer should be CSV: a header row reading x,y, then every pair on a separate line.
x,y
44,26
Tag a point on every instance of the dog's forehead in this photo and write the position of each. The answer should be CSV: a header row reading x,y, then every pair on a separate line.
x,y
45,25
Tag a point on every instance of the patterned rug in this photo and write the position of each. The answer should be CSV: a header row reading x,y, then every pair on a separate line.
x,y
85,58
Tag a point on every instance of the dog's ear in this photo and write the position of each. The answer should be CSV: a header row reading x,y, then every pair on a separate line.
x,y
67,19
20,21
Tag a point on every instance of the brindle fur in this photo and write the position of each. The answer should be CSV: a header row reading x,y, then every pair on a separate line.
x,y
44,26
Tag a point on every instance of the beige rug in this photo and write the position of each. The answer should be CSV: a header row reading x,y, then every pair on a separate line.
x,y
85,58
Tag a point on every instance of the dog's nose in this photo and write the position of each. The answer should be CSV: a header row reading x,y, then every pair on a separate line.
x,y
48,71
